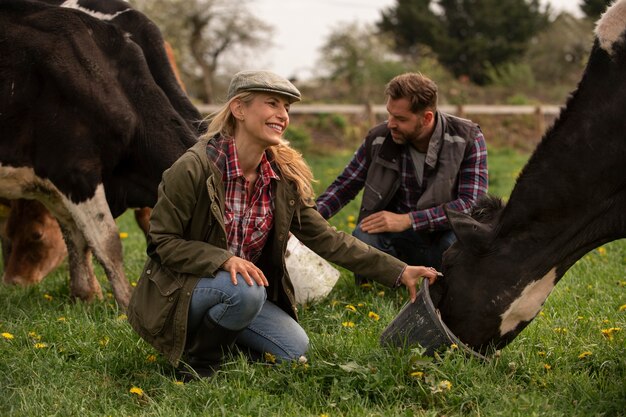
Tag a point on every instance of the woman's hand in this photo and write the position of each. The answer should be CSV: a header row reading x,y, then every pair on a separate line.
x,y
412,276
249,271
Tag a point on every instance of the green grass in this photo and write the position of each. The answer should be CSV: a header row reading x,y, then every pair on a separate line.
x,y
76,359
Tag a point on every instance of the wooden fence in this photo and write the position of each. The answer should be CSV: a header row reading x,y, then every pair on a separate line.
x,y
370,112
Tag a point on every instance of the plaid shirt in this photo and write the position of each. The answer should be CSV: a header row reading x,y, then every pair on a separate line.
x,y
472,184
248,218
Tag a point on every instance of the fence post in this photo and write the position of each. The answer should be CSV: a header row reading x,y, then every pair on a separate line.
x,y
460,111
539,121
369,113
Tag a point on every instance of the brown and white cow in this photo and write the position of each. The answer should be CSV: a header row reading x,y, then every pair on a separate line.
x,y
569,199
84,128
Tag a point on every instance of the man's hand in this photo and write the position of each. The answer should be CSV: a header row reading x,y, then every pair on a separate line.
x,y
249,271
412,277
386,221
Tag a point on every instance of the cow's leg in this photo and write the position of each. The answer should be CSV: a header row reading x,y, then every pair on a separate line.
x,y
83,282
98,227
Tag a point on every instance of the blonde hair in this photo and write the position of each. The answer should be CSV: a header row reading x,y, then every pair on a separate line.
x,y
290,162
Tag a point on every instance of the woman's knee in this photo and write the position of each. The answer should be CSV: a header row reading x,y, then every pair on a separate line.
x,y
248,299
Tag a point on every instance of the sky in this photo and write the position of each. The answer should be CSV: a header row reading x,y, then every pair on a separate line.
x,y
302,26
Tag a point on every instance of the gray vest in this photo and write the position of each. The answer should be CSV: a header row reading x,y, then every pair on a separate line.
x,y
446,151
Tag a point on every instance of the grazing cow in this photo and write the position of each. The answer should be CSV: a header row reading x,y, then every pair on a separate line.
x,y
84,128
36,246
569,199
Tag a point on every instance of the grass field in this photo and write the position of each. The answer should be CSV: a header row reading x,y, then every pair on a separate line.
x,y
61,358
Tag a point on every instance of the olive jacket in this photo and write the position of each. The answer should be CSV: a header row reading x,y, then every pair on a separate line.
x,y
187,241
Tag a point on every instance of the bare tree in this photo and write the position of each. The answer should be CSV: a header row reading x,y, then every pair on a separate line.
x,y
205,33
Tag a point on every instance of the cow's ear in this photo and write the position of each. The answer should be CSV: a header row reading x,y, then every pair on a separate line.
x,y
471,233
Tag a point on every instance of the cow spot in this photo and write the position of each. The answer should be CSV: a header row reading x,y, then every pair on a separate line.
x,y
528,304
611,25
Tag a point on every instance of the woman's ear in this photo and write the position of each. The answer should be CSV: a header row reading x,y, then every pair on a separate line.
x,y
236,108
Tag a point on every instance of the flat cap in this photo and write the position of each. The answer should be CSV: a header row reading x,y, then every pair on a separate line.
x,y
262,81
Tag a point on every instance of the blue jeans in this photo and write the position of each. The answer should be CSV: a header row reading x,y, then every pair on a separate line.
x,y
414,248
264,326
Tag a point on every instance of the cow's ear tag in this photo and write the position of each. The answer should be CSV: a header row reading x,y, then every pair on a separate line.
x,y
473,234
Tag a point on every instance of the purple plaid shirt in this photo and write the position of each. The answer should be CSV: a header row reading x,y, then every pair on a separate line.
x,y
472,183
248,218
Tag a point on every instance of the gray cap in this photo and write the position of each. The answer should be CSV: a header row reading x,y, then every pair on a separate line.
x,y
262,81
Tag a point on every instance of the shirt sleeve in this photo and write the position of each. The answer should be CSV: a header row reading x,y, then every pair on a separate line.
x,y
473,182
346,186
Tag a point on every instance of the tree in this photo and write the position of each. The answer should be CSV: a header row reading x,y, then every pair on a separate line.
x,y
358,62
468,36
205,33
594,8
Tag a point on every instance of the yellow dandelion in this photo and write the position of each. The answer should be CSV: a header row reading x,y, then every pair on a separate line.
x,y
584,354
350,307
445,385
122,317
381,293
417,374
622,307
179,383
351,218
104,341
608,333
561,330
454,346
547,367
622,283
137,391
123,235
541,353
361,305
151,358
347,324
373,316
269,357
366,285
61,319
602,251
541,313
47,297
605,321
41,345
324,415
589,287
34,335
133,284
7,336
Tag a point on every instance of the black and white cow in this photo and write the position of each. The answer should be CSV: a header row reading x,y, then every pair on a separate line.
x,y
85,128
569,199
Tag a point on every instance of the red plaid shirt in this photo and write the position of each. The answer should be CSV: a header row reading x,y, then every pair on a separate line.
x,y
248,219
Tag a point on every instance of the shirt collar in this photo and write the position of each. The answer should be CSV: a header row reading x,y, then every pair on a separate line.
x,y
233,170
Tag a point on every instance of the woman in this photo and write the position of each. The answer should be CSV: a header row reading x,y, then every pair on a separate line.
x,y
216,272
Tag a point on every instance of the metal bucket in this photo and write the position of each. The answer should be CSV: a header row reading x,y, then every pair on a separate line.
x,y
420,323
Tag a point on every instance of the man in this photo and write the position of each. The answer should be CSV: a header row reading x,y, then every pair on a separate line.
x,y
410,166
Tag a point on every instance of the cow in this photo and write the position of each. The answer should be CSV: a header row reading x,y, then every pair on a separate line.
x,y
36,236
85,128
569,199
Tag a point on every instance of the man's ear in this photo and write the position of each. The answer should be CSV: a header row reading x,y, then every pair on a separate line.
x,y
471,233
429,115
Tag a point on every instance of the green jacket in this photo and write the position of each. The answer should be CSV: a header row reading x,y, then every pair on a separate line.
x,y
187,240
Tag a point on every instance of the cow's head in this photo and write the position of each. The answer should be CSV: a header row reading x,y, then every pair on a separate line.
x,y
37,245
493,286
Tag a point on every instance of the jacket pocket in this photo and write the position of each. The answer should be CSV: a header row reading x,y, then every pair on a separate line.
x,y
155,297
